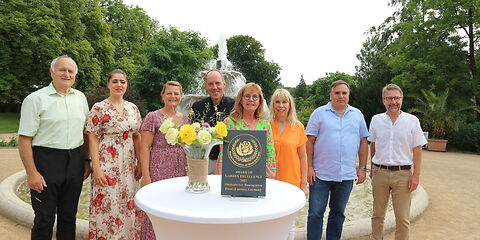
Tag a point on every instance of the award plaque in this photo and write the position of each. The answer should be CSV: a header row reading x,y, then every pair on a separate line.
x,y
243,167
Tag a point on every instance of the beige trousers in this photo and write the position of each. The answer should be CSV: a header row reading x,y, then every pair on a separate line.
x,y
384,183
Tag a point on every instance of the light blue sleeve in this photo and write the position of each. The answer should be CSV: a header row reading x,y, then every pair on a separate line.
x,y
313,125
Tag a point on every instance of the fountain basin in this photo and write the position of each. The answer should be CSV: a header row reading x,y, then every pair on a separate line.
x,y
21,212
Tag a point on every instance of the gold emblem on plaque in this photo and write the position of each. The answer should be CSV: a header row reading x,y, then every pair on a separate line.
x,y
244,150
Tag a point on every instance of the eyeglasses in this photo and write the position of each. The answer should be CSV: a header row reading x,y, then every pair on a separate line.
x,y
253,97
390,99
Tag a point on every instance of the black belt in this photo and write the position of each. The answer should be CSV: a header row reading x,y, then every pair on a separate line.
x,y
394,168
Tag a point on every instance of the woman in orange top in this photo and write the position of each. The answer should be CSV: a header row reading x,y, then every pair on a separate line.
x,y
289,139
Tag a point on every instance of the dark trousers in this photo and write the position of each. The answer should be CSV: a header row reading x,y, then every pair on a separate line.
x,y
320,191
63,173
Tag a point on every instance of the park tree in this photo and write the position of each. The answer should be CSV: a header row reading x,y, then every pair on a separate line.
x,y
301,90
30,35
373,73
173,55
435,47
248,56
99,35
131,30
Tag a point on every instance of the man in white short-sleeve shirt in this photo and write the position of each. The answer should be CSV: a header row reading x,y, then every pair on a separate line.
x,y
396,148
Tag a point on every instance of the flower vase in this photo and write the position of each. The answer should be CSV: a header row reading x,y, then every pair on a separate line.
x,y
197,166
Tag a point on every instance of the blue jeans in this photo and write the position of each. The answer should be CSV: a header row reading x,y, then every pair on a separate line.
x,y
339,193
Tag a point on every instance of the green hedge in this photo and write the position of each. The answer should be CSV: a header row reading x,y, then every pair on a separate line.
x,y
467,137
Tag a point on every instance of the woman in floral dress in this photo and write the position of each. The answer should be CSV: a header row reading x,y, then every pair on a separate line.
x,y
160,160
113,131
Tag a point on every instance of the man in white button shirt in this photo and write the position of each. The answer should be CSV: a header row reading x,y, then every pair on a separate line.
x,y
396,148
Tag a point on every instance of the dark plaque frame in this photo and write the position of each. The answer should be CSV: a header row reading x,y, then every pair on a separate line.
x,y
243,167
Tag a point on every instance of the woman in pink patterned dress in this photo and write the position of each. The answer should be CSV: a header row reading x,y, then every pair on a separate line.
x,y
160,160
113,132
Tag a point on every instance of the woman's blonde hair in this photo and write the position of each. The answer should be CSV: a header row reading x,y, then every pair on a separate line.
x,y
237,113
282,94
171,83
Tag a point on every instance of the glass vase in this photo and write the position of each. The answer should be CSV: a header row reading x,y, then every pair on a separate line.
x,y
197,166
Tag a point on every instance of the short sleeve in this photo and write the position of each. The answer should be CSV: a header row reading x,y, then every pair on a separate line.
x,y
373,134
302,136
313,125
29,118
418,137
138,118
94,125
271,161
148,123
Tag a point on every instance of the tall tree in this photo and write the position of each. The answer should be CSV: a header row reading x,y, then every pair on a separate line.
x,y
373,73
132,29
173,55
436,47
248,55
30,35
301,89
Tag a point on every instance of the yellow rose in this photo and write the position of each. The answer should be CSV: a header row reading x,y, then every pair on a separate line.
x,y
221,130
187,134
166,125
196,125
204,137
171,136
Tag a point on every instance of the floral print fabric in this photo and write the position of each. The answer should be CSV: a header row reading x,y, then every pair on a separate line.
x,y
166,161
113,214
262,125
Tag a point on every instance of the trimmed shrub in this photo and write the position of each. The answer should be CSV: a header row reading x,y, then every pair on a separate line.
x,y
467,137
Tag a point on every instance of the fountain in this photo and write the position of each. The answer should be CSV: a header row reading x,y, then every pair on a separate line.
x,y
234,79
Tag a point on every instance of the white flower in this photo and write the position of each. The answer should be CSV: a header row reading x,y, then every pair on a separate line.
x,y
204,137
172,136
196,125
166,125
211,130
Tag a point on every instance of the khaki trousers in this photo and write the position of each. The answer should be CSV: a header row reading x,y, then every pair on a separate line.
x,y
384,183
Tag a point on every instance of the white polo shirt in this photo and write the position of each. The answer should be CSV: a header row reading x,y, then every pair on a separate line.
x,y
394,143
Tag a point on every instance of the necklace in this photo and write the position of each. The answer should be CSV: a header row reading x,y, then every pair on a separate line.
x,y
250,123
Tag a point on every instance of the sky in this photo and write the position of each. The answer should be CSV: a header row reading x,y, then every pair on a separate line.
x,y
309,37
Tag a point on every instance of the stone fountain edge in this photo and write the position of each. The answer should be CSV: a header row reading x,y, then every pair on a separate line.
x,y
19,211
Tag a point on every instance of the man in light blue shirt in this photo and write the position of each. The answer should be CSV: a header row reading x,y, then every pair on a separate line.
x,y
336,134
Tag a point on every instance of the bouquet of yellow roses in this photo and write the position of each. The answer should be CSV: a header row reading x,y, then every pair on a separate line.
x,y
197,140
195,134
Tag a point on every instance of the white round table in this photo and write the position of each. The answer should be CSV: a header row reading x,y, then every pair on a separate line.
x,y
177,214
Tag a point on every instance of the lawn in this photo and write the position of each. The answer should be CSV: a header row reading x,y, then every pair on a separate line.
x,y
9,122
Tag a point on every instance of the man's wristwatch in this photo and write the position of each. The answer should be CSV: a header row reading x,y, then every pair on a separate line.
x,y
364,168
